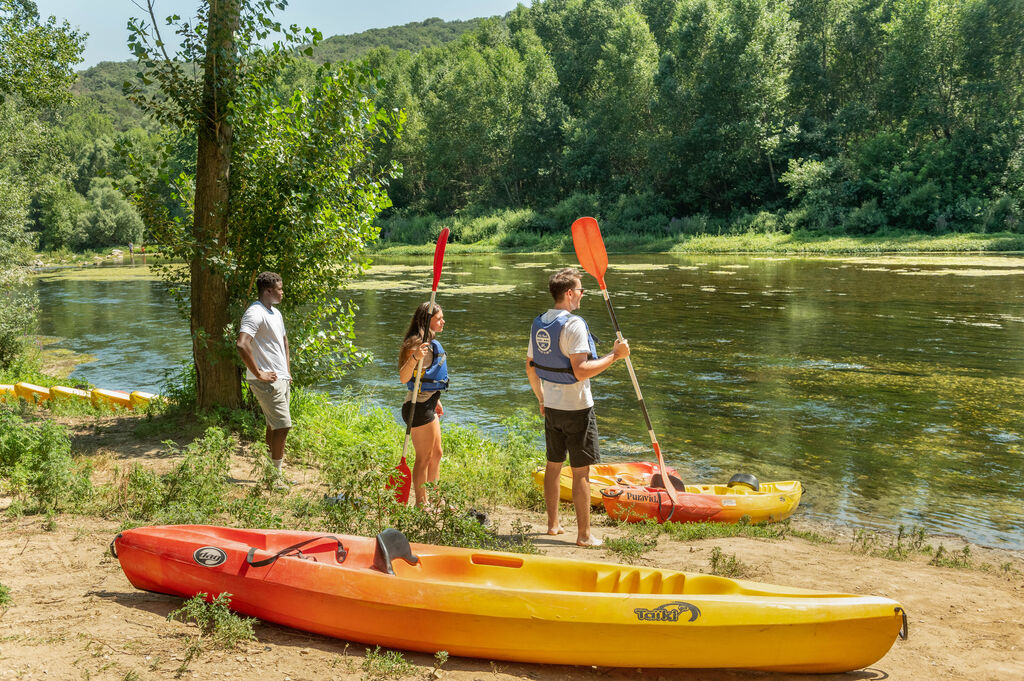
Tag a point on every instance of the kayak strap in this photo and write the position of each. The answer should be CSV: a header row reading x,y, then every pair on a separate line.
x,y
904,628
671,506
340,553
113,549
392,544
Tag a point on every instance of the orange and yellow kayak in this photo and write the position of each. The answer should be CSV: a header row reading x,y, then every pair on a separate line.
x,y
7,393
604,475
505,606
771,502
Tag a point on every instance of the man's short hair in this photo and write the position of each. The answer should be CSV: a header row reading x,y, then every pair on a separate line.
x,y
563,280
267,280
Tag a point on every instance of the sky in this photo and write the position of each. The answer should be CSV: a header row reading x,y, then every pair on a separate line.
x,y
106,20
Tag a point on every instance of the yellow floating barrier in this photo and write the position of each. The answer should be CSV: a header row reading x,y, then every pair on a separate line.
x,y
111,398
32,393
64,392
140,399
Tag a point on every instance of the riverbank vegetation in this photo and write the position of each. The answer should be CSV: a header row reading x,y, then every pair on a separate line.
x,y
341,454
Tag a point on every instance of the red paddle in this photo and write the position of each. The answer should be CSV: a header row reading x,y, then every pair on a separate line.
x,y
590,250
401,480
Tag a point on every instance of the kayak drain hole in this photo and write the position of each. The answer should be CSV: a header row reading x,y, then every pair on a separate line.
x,y
496,561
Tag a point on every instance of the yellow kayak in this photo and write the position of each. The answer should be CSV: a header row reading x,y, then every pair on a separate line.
x,y
506,606
604,475
7,393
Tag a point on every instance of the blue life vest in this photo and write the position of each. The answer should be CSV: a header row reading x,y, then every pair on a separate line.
x,y
435,377
548,360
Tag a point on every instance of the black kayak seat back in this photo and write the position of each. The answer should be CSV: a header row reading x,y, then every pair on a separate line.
x,y
392,544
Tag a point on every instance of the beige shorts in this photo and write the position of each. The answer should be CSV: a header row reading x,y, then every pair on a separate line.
x,y
273,399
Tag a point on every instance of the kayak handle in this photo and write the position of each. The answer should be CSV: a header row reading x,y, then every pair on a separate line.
x,y
340,553
611,492
113,549
904,628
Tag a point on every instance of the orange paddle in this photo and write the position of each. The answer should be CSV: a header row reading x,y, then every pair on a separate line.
x,y
401,479
590,250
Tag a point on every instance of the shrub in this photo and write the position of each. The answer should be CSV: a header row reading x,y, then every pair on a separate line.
x,y
868,218
404,228
193,492
565,212
37,468
17,322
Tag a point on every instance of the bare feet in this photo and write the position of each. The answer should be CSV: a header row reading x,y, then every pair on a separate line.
x,y
557,529
593,542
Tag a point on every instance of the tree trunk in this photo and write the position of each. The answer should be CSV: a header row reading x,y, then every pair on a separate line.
x,y
217,375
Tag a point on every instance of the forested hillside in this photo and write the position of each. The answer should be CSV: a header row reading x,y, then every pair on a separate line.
x,y
663,118
413,37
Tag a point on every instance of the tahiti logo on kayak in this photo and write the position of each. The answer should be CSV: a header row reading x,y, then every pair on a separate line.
x,y
668,612
209,556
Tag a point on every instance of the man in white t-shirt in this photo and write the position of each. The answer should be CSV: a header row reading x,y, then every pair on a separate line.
x,y
263,346
560,360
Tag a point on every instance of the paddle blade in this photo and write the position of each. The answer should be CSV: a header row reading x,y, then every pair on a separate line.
x,y
442,241
586,238
401,482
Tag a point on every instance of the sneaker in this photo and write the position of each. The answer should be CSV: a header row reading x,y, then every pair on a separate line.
x,y
280,483
479,516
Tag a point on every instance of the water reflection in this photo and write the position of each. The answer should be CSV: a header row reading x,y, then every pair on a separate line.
x,y
892,388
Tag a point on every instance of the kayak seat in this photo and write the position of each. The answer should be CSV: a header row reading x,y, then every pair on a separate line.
x,y
392,544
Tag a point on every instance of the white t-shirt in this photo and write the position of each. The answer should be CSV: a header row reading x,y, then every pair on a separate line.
x,y
266,327
573,339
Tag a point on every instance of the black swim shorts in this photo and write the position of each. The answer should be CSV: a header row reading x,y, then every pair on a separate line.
x,y
575,431
424,411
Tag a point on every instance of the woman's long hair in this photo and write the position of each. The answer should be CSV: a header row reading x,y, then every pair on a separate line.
x,y
419,330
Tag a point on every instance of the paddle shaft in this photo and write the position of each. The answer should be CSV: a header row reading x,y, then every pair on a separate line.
x,y
416,387
639,395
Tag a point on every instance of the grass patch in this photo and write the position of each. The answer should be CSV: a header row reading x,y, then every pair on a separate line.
x,y
901,546
688,532
219,628
640,538
812,536
952,559
388,664
5,598
727,565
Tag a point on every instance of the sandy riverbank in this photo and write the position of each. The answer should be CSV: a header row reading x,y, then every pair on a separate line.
x,y
74,615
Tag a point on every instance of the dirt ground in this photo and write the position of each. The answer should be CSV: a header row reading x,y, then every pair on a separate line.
x,y
73,614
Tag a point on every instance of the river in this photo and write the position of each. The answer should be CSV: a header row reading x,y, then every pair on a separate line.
x,y
892,387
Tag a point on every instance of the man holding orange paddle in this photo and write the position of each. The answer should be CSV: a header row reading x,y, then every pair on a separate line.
x,y
560,361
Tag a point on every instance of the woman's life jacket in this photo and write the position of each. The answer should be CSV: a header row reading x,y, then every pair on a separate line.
x,y
548,360
435,377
